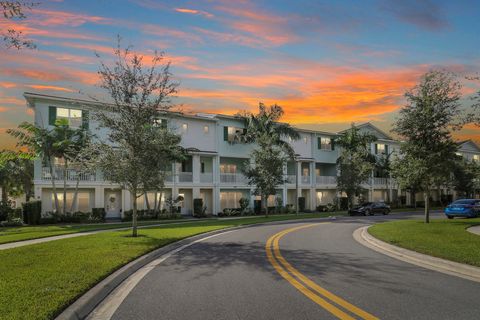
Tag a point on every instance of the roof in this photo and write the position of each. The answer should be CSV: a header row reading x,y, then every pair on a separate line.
x,y
469,141
375,128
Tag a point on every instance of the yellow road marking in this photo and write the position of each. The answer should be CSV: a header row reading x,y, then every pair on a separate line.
x,y
276,255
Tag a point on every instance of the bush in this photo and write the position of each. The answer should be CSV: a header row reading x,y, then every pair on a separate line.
x,y
198,208
32,212
257,207
301,204
244,204
230,212
15,222
321,208
98,214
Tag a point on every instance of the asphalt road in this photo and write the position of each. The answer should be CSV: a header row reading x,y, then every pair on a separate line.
x,y
231,277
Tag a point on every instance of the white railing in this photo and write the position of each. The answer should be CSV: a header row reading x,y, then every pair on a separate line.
x,y
291,178
233,178
185,177
206,177
326,180
72,174
380,181
305,180
169,177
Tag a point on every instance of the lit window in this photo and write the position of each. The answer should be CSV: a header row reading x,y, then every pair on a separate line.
x,y
305,139
325,143
205,129
476,158
73,116
184,127
233,134
380,148
458,154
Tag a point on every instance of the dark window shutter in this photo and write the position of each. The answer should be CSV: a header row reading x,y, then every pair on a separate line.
x,y
319,143
52,115
163,123
332,142
386,149
85,119
225,133
376,148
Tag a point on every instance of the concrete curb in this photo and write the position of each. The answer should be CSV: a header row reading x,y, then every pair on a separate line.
x,y
474,230
461,270
83,306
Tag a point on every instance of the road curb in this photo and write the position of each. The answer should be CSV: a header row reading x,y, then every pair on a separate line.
x,y
82,307
461,270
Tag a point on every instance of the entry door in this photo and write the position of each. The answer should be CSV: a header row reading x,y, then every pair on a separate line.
x,y
112,204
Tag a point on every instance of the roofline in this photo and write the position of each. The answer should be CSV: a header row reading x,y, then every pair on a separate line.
x,y
376,128
459,143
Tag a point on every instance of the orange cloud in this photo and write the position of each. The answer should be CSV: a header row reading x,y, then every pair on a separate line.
x,y
193,11
47,87
8,85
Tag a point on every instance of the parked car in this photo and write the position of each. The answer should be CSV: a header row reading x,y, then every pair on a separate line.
x,y
469,208
370,208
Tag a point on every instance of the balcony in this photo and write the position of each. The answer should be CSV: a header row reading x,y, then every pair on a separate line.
x,y
206,177
291,178
305,179
233,178
185,177
326,180
72,174
384,182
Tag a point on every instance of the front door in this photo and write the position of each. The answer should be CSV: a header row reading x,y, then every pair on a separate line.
x,y
112,204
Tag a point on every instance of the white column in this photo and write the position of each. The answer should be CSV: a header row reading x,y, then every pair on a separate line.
x,y
313,199
284,186
216,200
196,168
216,169
299,172
195,193
99,197
126,200
312,174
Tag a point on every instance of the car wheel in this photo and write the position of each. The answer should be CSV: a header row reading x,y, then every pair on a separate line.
x,y
385,212
450,217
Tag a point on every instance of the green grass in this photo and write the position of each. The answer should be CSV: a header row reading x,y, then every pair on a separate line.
x,y
447,239
13,234
39,281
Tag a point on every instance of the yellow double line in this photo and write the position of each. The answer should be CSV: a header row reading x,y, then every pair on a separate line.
x,y
306,286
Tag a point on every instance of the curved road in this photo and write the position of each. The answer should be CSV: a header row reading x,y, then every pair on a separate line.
x,y
298,270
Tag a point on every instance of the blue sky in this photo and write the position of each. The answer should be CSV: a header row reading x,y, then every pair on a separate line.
x,y
328,63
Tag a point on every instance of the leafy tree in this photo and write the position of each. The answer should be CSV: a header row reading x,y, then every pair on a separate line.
x,y
15,10
355,162
273,151
384,167
426,124
16,174
466,177
140,95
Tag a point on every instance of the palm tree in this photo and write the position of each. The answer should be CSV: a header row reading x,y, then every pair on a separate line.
x,y
38,142
268,133
355,162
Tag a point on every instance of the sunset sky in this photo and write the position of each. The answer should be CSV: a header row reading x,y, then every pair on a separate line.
x,y
328,63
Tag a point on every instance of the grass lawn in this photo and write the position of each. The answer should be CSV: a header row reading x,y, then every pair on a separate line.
x,y
447,239
39,281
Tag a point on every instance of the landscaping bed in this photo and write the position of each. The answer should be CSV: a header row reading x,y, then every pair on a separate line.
x,y
447,239
39,281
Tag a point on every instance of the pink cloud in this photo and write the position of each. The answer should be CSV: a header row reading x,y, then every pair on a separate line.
x,y
195,12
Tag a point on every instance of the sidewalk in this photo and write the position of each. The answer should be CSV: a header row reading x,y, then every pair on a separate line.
x,y
475,230
461,270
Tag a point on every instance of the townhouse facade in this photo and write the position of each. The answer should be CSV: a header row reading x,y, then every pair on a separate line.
x,y
213,168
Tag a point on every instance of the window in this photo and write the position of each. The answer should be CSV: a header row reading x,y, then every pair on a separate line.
x,y
233,134
202,167
459,154
228,168
319,197
82,203
205,129
380,148
162,123
305,139
184,127
476,158
75,117
230,199
325,143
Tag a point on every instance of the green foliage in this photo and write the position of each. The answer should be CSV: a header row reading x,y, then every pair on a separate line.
x,y
98,214
355,162
198,208
301,204
425,124
32,212
466,177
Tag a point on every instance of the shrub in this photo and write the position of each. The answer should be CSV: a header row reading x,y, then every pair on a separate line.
x,y
257,207
5,210
244,204
98,214
301,204
32,212
198,208
15,222
321,208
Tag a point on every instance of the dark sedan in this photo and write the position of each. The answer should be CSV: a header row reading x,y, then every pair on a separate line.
x,y
370,208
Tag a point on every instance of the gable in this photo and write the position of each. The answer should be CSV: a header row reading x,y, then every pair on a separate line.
x,y
468,146
370,128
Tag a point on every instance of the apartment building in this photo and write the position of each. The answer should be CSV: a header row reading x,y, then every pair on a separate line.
x,y
213,168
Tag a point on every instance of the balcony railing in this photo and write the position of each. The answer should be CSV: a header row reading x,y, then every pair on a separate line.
x,y
206,177
72,174
185,177
305,180
233,178
291,178
326,180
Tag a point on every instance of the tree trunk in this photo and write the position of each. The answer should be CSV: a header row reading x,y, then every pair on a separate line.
x,y
155,201
426,197
134,214
146,200
75,194
159,204
65,169
264,203
54,188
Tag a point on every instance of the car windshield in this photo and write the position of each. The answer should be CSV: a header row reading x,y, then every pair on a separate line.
x,y
464,201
